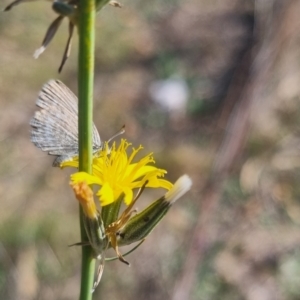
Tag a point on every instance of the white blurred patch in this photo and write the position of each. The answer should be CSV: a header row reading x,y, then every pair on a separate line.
x,y
172,94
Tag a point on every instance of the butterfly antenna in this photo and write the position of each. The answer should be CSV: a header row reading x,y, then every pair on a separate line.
x,y
122,131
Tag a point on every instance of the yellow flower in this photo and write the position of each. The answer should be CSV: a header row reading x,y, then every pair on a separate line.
x,y
116,173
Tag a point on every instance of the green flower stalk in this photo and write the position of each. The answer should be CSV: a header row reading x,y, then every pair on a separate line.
x,y
86,62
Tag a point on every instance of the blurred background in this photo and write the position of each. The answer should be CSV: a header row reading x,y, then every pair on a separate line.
x,y
213,89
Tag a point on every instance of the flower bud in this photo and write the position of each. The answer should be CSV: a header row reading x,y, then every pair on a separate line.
x,y
140,225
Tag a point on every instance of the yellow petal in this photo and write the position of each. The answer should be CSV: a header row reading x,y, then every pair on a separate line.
x,y
106,194
82,176
128,195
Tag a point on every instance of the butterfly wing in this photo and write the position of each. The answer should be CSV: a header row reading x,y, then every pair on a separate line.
x,y
54,127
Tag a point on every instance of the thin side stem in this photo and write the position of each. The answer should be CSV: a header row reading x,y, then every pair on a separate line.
x,y
86,18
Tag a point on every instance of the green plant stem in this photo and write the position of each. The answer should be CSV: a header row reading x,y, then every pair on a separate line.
x,y
87,14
